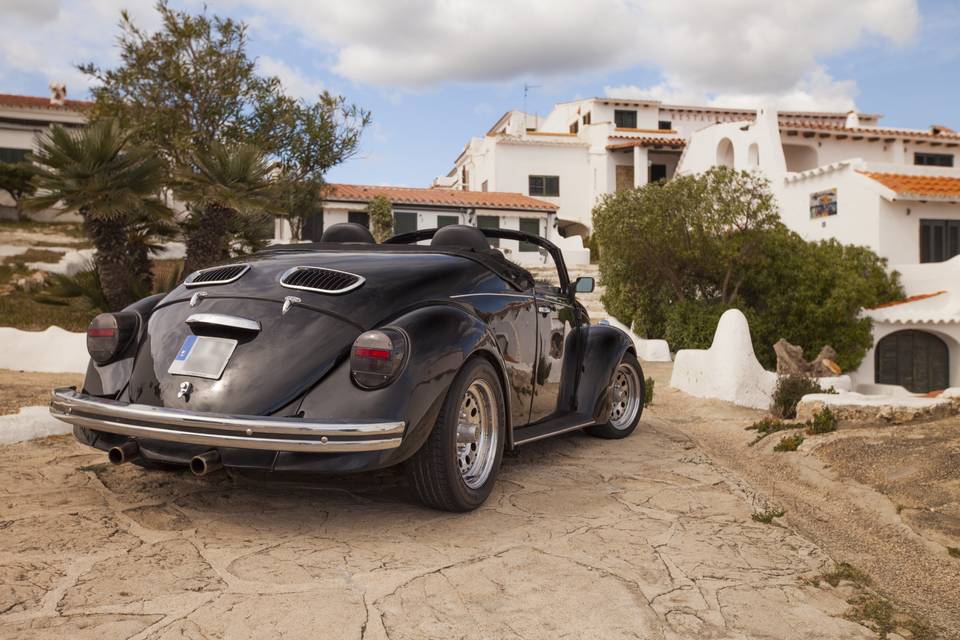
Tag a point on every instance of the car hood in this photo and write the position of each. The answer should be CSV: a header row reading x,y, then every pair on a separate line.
x,y
293,349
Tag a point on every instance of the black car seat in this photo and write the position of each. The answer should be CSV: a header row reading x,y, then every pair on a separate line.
x,y
462,236
347,232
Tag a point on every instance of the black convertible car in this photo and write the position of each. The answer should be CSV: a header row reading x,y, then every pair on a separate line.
x,y
430,349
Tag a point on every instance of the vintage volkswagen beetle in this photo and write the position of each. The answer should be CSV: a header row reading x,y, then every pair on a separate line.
x,y
347,355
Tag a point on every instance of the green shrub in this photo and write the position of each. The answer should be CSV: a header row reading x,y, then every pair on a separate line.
x,y
823,422
84,285
788,392
691,324
648,391
789,443
676,253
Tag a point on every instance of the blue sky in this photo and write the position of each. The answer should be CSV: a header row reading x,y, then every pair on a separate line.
x,y
436,72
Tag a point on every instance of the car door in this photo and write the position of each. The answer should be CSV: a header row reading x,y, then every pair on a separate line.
x,y
556,321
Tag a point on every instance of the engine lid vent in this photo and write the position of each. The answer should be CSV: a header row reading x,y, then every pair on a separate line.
x,y
217,275
320,280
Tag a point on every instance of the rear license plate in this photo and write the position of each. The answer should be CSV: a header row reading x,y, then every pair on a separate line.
x,y
203,357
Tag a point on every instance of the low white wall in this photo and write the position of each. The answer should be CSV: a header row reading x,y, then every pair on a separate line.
x,y
30,423
728,370
647,350
53,350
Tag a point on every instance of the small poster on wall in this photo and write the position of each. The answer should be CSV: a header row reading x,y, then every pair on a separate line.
x,y
823,203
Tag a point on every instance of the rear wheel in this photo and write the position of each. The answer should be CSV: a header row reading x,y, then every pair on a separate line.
x,y
627,394
456,468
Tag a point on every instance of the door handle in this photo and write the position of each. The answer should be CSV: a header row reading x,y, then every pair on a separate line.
x,y
545,309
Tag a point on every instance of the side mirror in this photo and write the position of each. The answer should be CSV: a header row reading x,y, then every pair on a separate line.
x,y
584,284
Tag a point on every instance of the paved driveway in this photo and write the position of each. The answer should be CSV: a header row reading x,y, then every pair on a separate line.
x,y
583,538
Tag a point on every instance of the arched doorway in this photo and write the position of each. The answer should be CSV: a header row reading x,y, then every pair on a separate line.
x,y
916,360
725,153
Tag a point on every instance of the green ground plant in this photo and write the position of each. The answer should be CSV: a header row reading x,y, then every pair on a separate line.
x,y
768,515
767,425
789,443
789,391
823,422
648,391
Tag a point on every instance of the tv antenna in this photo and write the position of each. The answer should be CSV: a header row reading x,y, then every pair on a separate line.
x,y
526,92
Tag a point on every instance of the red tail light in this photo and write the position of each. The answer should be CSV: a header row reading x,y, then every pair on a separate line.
x,y
109,334
377,357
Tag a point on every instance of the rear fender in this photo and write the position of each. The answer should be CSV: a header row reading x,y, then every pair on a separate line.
x,y
442,338
605,346
110,379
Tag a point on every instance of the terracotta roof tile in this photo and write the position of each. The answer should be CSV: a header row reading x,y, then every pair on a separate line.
x,y
34,102
918,186
437,197
944,133
646,142
916,298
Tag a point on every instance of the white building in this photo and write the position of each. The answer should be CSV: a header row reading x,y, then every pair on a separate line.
x,y
835,175
23,118
415,209
586,148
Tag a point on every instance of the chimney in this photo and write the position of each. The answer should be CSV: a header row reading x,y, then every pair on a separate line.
x,y
853,120
58,94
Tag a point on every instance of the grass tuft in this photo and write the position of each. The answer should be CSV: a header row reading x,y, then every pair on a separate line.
x,y
823,422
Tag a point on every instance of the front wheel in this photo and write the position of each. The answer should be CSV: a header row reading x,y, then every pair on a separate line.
x,y
456,468
627,395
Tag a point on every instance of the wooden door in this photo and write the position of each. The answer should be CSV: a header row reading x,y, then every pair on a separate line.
x,y
624,177
916,360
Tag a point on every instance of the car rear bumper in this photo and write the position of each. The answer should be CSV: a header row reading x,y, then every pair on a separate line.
x,y
262,433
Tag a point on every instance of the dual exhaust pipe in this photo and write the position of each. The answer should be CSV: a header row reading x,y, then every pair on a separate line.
x,y
200,465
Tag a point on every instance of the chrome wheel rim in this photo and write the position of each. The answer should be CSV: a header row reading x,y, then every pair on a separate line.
x,y
477,434
625,400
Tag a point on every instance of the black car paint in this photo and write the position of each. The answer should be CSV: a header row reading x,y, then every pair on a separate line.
x,y
452,307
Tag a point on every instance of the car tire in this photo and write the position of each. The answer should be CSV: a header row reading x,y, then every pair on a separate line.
x,y
627,396
457,466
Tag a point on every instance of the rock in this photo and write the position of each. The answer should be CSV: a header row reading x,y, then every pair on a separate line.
x,y
790,359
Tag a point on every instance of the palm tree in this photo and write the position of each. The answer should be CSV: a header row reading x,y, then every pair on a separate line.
x,y
96,173
222,184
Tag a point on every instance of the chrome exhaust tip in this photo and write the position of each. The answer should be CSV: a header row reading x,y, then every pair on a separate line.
x,y
205,463
125,452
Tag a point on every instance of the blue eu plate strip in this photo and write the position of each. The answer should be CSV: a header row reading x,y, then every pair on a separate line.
x,y
187,346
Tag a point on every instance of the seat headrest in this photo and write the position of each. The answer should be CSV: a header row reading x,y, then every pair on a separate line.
x,y
460,235
347,232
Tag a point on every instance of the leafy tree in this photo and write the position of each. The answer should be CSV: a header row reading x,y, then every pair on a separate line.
x,y
381,218
98,173
676,254
192,85
16,179
186,86
223,183
310,139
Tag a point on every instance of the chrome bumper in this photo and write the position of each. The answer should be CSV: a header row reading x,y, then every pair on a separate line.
x,y
221,430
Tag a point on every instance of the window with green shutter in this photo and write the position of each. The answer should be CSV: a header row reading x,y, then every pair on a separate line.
x,y
490,222
531,226
404,222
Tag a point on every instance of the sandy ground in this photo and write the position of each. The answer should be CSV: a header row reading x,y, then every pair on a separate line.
x,y
23,389
885,499
582,538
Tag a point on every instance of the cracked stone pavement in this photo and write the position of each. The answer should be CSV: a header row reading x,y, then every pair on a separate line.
x,y
582,538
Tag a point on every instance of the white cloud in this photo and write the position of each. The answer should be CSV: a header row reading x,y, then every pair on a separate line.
x,y
736,48
294,81
815,91
704,49
47,38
